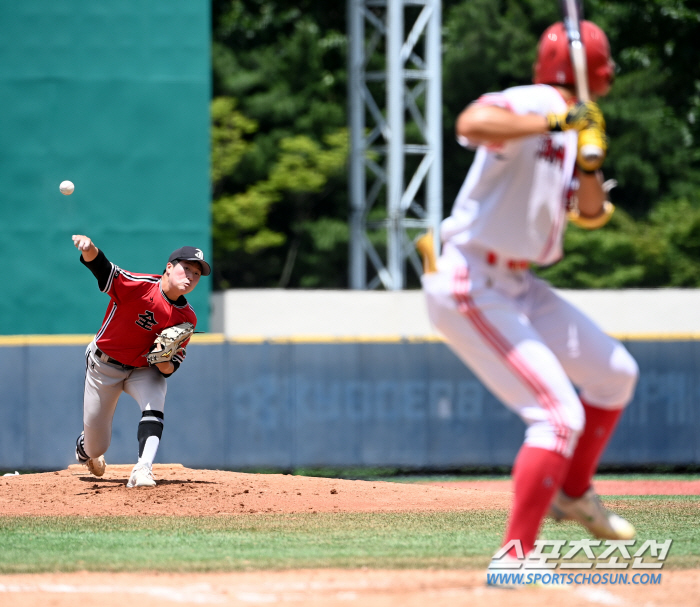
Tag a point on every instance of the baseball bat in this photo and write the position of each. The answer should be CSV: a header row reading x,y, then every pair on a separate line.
x,y
572,11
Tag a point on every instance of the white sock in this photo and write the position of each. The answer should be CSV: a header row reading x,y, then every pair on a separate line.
x,y
149,450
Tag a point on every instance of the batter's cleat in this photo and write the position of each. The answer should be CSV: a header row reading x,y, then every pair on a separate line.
x,y
95,465
141,476
589,511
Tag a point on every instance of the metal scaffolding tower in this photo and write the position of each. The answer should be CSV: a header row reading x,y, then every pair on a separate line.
x,y
395,108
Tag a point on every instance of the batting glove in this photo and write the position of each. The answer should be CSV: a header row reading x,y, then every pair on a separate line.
x,y
580,116
592,138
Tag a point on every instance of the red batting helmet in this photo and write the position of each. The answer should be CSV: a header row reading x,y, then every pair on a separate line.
x,y
554,62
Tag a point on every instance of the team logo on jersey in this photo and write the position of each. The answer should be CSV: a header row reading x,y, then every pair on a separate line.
x,y
146,320
550,152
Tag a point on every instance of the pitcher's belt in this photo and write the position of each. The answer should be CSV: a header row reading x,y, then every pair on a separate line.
x,y
112,361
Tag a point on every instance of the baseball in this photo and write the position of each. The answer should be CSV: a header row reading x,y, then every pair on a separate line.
x,y
66,187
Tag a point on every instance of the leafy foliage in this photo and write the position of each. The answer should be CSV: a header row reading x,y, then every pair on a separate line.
x,y
285,196
661,251
301,176
279,140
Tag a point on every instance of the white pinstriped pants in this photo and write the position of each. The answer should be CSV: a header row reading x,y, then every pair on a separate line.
x,y
104,383
530,348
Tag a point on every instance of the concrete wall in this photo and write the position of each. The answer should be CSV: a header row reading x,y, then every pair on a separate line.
x,y
273,314
274,392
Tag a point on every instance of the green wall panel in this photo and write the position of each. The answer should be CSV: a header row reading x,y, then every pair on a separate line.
x,y
115,97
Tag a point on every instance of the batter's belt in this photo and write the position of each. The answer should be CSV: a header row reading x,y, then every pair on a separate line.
x,y
112,361
512,264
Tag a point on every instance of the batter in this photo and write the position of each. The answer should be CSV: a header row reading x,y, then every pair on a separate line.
x,y
543,358
141,305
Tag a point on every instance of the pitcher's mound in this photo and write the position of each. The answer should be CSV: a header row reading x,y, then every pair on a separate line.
x,y
187,492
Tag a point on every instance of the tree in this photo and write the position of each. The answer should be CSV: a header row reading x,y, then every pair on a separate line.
x,y
280,207
652,111
278,213
301,176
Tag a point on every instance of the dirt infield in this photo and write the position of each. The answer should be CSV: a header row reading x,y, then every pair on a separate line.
x,y
327,588
186,492
183,491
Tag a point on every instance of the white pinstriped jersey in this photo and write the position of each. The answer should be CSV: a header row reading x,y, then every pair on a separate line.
x,y
513,200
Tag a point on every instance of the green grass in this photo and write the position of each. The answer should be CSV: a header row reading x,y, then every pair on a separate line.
x,y
428,540
652,472
398,475
655,518
661,473
448,478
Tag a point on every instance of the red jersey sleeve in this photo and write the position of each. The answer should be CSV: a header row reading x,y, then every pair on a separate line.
x,y
122,285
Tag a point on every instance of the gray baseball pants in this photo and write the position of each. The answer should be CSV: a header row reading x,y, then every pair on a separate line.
x,y
104,383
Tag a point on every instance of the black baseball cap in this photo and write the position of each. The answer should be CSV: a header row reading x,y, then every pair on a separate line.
x,y
190,254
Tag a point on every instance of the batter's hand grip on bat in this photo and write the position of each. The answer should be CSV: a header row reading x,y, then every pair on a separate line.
x,y
592,146
579,116
572,13
592,142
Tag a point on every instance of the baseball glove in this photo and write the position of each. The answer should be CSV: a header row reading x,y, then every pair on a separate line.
x,y
167,343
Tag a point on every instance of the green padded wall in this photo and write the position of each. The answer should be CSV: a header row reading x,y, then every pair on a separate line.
x,y
113,96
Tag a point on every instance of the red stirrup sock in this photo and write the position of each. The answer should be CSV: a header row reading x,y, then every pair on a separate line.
x,y
600,424
537,474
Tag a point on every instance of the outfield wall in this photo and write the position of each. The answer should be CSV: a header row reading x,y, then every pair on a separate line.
x,y
277,313
113,96
355,402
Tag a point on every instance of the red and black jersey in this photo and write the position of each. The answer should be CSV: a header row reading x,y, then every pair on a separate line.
x,y
138,311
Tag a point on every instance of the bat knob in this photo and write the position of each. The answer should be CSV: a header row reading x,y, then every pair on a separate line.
x,y
591,153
